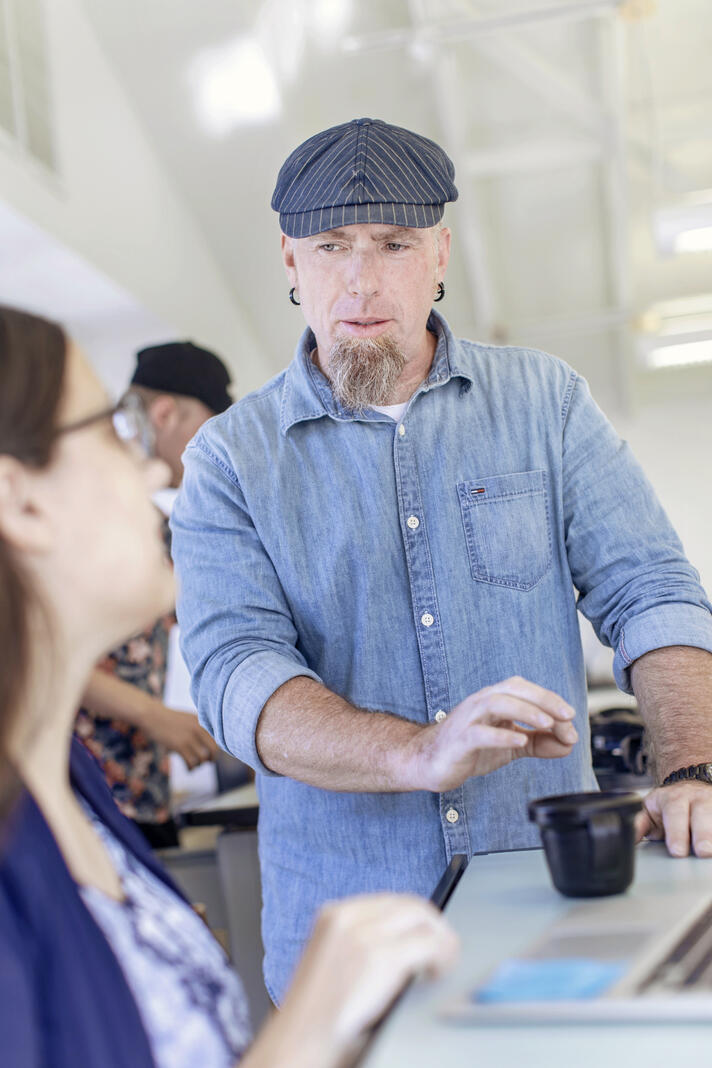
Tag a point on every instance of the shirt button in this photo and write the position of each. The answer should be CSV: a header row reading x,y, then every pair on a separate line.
x,y
401,430
440,715
426,619
452,815
413,522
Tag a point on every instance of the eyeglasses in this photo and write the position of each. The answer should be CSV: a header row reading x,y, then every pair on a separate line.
x,y
131,423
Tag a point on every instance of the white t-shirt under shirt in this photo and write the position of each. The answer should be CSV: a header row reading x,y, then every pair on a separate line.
x,y
395,411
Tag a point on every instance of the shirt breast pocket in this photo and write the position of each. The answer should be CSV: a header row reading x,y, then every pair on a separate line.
x,y
507,528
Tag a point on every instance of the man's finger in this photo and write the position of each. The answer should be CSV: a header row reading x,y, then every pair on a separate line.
x,y
701,825
675,811
546,746
536,695
500,709
485,736
645,826
566,733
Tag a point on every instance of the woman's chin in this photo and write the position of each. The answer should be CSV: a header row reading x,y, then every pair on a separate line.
x,y
158,600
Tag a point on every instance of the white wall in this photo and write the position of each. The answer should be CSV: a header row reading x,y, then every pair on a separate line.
x,y
672,437
114,205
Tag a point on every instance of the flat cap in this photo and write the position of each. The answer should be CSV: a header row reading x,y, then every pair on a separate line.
x,y
364,171
184,368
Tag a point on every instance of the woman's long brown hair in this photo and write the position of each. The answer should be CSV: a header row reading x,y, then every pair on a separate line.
x,y
33,355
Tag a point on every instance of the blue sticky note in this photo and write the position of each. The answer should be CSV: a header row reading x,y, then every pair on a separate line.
x,y
560,979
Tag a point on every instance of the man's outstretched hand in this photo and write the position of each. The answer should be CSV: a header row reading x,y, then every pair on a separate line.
x,y
490,728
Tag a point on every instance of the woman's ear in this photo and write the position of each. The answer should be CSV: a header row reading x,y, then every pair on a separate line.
x,y
23,523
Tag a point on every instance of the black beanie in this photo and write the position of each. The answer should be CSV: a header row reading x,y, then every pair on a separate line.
x,y
184,368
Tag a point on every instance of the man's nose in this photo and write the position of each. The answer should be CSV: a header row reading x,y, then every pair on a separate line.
x,y
363,275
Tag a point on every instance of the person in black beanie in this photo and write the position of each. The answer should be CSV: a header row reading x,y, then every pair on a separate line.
x,y
181,386
123,721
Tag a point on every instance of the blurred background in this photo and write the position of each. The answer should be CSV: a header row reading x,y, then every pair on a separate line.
x,y
140,141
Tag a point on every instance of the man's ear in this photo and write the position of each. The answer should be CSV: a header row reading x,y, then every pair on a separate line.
x,y
23,523
163,410
288,260
443,251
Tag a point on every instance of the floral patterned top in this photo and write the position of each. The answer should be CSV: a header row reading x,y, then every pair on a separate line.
x,y
136,767
192,1002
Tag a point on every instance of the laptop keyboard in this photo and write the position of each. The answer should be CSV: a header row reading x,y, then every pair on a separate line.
x,y
688,965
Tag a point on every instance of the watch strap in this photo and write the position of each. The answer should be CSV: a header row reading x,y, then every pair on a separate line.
x,y
699,772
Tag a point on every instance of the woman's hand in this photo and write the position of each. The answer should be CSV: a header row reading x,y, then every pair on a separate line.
x,y
362,953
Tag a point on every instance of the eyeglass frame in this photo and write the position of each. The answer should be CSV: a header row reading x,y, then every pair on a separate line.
x,y
143,437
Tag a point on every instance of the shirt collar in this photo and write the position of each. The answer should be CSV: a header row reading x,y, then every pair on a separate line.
x,y
307,393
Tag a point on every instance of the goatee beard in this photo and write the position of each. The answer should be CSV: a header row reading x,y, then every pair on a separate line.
x,y
363,371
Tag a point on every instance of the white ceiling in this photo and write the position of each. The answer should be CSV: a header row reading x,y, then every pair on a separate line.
x,y
40,274
568,122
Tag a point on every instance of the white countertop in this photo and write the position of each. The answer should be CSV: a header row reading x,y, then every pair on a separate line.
x,y
501,904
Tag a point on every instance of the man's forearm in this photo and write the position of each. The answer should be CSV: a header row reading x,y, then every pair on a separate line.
x,y
309,733
673,687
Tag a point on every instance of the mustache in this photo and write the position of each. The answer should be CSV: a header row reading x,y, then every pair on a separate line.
x,y
364,371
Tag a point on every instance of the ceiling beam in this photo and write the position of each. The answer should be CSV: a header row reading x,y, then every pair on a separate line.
x,y
535,156
565,97
613,83
598,321
453,31
452,115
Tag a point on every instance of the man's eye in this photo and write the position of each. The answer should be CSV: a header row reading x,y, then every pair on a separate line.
x,y
329,246
394,246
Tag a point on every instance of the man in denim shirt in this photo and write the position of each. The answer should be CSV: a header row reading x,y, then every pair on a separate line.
x,y
379,555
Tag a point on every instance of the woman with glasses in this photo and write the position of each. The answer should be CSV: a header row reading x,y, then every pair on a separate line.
x,y
102,961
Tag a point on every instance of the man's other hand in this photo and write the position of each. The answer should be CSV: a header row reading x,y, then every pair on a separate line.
x,y
489,729
681,815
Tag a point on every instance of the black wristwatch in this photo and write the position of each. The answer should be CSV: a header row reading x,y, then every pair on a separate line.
x,y
701,772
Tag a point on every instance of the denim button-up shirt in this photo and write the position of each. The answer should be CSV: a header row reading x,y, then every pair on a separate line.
x,y
406,565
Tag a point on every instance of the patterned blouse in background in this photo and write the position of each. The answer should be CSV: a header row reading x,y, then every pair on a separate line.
x,y
136,767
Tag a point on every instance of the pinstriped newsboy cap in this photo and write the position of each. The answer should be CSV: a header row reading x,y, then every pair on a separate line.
x,y
364,171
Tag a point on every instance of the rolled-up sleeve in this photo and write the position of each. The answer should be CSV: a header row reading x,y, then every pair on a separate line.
x,y
635,583
237,634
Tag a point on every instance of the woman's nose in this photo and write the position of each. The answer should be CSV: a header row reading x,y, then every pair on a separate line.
x,y
158,474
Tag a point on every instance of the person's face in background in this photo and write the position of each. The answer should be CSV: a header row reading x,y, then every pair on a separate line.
x,y
175,420
99,563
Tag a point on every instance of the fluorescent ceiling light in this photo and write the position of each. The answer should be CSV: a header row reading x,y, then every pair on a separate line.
x,y
699,240
329,19
676,333
680,355
685,226
694,304
234,84
680,316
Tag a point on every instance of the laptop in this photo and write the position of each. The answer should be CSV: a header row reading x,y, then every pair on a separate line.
x,y
618,959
